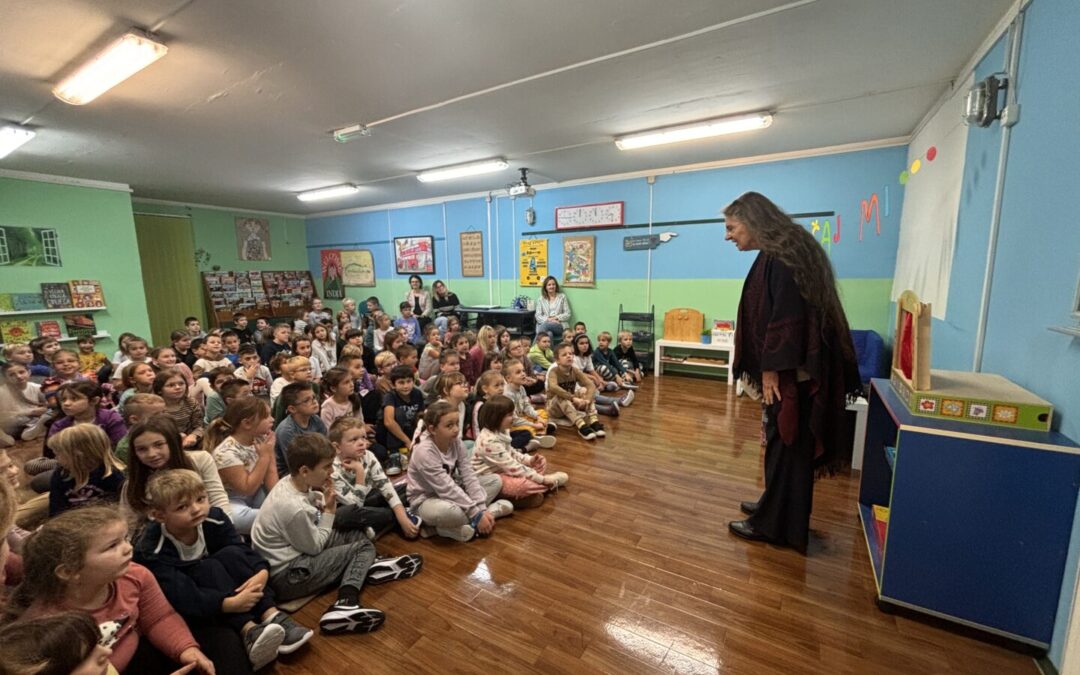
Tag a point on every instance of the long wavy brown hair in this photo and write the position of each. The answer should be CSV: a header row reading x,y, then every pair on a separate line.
x,y
782,238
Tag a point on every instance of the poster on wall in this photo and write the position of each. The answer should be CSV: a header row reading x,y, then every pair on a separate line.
x,y
253,238
472,254
357,268
332,277
579,262
534,261
29,247
609,214
414,255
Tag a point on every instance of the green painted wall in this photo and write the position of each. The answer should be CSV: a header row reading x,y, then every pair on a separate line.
x,y
215,232
97,241
866,301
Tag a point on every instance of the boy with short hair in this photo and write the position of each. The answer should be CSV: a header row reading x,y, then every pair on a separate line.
x,y
563,379
90,360
241,328
262,330
529,423
579,328
540,354
607,364
407,323
624,352
230,341
224,388
207,572
279,343
449,362
253,372
295,532
211,356
194,328
302,405
406,355
365,495
138,408
402,407
384,363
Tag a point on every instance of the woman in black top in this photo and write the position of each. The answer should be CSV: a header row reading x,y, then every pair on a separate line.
x,y
444,303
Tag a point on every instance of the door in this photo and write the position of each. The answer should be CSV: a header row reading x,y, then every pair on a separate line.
x,y
171,280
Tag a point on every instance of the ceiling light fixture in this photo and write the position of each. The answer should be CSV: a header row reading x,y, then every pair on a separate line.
x,y
328,192
347,134
12,137
462,170
123,58
691,132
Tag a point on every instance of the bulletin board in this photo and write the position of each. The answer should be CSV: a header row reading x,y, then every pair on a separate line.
x,y
273,294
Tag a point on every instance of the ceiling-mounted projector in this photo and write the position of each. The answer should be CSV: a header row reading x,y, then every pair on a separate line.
x,y
522,188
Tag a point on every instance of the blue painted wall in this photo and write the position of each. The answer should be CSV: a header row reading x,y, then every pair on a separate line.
x,y
1039,244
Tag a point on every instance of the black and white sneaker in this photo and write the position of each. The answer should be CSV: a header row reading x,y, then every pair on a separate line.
x,y
347,617
393,465
599,429
586,432
391,569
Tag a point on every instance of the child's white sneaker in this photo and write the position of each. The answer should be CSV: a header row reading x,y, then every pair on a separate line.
x,y
500,508
627,399
546,442
463,533
559,479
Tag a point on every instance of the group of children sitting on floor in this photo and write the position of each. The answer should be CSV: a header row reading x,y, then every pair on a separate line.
x,y
187,489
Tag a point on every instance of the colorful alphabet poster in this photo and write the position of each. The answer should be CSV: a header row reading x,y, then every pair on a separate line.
x,y
534,261
358,268
333,286
579,262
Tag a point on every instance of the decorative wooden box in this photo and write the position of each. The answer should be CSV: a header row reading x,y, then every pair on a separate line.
x,y
983,398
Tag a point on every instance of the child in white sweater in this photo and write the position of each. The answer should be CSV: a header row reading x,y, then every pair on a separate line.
x,y
295,532
523,476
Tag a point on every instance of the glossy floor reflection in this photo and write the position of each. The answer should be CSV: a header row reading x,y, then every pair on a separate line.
x,y
630,569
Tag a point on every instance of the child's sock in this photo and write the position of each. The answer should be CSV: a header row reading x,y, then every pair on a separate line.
x,y
348,595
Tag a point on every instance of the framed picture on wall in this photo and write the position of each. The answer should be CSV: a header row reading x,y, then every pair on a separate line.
x,y
253,238
579,262
414,255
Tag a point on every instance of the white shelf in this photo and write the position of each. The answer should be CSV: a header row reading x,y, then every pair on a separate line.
x,y
66,310
663,346
97,336
695,364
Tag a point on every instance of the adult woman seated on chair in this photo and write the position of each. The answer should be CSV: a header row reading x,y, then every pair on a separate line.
x,y
552,310
419,299
444,303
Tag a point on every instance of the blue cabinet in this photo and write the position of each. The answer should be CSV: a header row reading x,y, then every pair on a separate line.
x,y
979,518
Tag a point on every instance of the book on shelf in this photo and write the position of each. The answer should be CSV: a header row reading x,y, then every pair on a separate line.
x,y
15,331
49,328
86,293
57,295
27,302
80,325
6,303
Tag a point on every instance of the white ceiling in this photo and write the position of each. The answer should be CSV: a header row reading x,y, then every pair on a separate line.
x,y
239,112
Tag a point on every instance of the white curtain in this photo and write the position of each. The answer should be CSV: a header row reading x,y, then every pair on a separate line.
x,y
931,206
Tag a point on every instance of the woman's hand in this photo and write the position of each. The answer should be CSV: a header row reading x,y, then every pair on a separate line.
x,y
770,386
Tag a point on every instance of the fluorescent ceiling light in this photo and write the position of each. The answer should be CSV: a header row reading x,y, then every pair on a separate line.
x,y
328,192
690,132
461,170
12,137
114,64
347,134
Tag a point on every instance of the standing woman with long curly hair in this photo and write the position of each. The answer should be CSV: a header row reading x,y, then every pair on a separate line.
x,y
792,339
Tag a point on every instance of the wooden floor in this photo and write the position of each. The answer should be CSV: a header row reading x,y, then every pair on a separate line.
x,y
630,569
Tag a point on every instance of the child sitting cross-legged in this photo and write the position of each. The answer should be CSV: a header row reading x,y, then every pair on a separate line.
x,y
243,449
207,572
366,497
444,490
608,366
563,398
523,477
530,425
295,532
541,354
624,352
402,407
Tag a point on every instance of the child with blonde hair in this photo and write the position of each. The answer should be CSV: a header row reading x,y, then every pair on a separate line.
x,y
524,477
89,471
296,369
624,352
207,572
22,406
473,366
530,425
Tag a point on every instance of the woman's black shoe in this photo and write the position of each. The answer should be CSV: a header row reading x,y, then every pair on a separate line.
x,y
743,528
749,508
